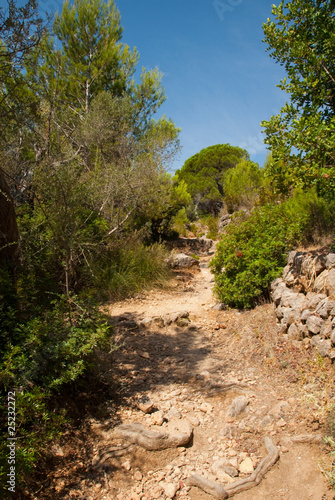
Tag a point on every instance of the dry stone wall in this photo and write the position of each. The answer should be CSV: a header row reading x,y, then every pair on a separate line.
x,y
304,299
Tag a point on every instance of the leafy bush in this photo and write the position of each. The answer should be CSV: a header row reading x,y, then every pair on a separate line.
x,y
37,425
54,347
180,222
242,185
212,224
253,252
43,348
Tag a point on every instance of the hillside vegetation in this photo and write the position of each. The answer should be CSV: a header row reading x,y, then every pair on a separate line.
x,y
86,200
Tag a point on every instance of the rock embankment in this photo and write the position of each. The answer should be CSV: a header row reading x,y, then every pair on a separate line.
x,y
304,298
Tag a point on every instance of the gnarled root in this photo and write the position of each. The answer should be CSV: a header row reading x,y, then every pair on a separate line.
x,y
111,452
307,438
150,440
217,491
255,478
210,487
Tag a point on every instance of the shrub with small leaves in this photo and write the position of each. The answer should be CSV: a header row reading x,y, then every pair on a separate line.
x,y
253,252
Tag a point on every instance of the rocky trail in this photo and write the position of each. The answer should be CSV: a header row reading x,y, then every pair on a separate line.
x,y
225,379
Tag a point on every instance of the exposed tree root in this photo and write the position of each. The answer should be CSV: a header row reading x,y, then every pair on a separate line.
x,y
150,440
210,487
307,438
217,491
255,478
113,452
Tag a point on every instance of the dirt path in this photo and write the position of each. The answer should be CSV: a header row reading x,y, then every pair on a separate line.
x,y
193,366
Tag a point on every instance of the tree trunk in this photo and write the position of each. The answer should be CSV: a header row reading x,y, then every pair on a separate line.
x,y
9,233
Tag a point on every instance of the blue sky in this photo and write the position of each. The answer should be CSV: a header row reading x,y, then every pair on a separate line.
x,y
219,80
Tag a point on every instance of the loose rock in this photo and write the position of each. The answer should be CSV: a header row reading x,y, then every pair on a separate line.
x,y
145,404
238,406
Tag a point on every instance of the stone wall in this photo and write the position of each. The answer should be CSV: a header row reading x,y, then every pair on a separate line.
x,y
304,299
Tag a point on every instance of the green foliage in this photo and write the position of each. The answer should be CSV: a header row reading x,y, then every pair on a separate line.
x,y
203,174
37,425
301,137
130,268
179,222
21,30
166,197
252,252
211,222
54,347
93,58
45,345
98,165
242,185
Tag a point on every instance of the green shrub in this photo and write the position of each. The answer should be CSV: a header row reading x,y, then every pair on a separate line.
x,y
212,224
36,426
130,268
253,252
180,222
54,347
242,185
40,353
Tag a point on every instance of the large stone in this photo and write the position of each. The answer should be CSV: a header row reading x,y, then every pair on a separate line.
x,y
171,489
312,266
319,263
157,418
275,283
300,303
278,292
288,297
326,328
324,308
320,282
307,265
246,467
306,314
314,324
330,283
322,345
280,311
294,333
291,256
181,260
289,316
330,260
288,275
314,299
332,336
145,404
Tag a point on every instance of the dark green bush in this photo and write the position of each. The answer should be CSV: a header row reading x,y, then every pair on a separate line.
x,y
54,347
253,252
43,349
